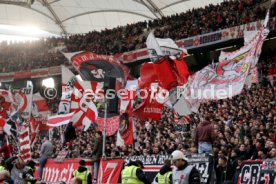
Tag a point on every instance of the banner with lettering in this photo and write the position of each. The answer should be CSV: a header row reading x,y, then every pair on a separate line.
x,y
23,100
57,172
205,165
109,171
257,172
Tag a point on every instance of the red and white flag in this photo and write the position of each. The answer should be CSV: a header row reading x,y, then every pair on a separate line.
x,y
91,115
82,103
181,119
25,144
58,120
40,111
129,94
23,99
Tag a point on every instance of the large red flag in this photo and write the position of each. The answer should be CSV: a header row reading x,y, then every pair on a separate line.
x,y
161,72
148,109
181,70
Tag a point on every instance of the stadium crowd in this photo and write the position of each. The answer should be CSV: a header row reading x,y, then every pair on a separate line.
x,y
244,127
38,54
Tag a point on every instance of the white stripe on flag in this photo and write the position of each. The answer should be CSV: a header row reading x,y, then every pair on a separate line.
x,y
58,120
90,116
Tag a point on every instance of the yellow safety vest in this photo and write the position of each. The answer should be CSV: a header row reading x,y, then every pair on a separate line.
x,y
82,176
2,168
129,175
164,179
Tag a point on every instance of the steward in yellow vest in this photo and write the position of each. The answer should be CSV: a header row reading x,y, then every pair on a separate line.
x,y
2,164
2,168
82,173
133,173
165,174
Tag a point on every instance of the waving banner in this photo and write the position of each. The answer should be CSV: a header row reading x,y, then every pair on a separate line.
x,y
82,103
40,111
95,67
23,100
6,102
226,78
68,80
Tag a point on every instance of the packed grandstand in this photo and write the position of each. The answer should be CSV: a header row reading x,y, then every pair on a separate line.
x,y
241,129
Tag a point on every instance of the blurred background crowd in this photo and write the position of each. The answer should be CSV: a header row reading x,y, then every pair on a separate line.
x,y
46,53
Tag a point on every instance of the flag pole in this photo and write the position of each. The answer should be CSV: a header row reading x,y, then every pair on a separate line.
x,y
105,117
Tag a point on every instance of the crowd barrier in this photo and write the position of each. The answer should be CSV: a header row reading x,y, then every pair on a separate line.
x,y
251,172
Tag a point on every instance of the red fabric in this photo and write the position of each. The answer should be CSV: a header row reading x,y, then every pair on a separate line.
x,y
56,121
81,99
56,171
6,150
42,111
160,72
182,72
112,125
2,122
109,171
270,71
148,110
126,127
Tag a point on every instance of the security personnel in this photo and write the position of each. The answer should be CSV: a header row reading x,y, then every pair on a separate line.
x,y
165,174
82,173
184,173
133,173
2,167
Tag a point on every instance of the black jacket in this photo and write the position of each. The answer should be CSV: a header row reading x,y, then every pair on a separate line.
x,y
97,149
83,169
221,174
70,133
9,164
163,171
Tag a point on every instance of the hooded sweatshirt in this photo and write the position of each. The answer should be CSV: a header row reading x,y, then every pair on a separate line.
x,y
205,132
